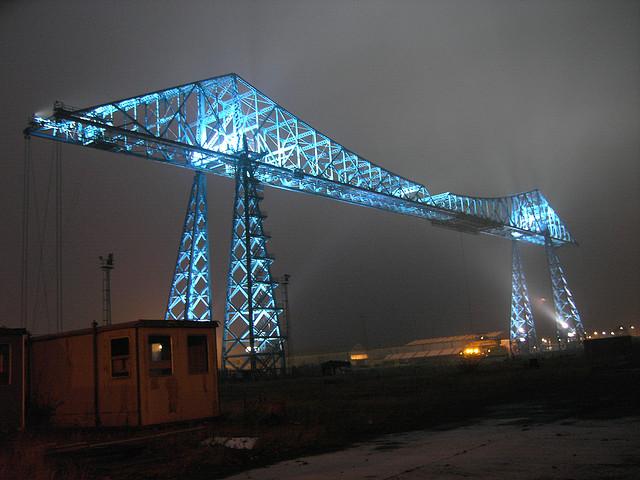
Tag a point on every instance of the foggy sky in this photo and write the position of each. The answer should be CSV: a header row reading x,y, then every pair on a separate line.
x,y
482,98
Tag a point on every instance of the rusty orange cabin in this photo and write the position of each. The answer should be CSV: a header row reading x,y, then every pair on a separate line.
x,y
138,373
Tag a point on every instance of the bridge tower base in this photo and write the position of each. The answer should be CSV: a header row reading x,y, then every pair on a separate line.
x,y
522,334
252,340
569,326
190,293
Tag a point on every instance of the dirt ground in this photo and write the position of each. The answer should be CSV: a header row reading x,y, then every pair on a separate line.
x,y
301,416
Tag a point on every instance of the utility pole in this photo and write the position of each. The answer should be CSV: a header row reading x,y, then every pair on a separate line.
x,y
106,265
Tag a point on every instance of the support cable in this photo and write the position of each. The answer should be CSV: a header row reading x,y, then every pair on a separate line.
x,y
466,284
42,224
58,166
24,284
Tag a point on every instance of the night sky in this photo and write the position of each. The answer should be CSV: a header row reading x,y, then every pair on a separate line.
x,y
483,98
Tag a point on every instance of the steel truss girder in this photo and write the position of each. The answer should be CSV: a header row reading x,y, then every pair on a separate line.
x,y
569,326
200,126
522,336
190,293
252,341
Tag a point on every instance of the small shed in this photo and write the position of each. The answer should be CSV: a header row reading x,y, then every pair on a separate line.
x,y
13,381
138,373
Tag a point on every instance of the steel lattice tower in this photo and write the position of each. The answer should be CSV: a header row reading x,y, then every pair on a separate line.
x,y
208,126
251,340
523,336
190,294
568,323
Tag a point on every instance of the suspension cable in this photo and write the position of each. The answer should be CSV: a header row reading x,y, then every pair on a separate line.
x,y
58,164
466,284
24,285
42,226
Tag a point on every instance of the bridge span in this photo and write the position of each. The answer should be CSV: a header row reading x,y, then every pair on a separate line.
x,y
225,126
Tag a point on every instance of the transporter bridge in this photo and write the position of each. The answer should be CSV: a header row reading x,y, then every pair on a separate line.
x,y
225,126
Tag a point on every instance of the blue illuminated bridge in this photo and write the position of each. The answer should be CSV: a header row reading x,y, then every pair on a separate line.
x,y
225,126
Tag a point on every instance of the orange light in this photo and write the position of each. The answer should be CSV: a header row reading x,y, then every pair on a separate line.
x,y
359,356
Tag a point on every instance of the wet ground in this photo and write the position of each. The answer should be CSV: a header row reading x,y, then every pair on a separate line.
x,y
502,447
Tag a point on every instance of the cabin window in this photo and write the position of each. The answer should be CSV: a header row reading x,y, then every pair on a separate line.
x,y
159,355
5,364
197,353
120,357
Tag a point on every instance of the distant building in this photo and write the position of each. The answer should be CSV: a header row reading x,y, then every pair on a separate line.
x,y
13,382
424,350
138,373
358,355
496,343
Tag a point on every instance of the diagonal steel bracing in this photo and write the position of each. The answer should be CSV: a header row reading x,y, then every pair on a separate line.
x,y
522,336
215,125
200,125
190,294
251,340
569,326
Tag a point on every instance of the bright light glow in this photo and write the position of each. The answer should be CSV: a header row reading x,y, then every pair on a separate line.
x,y
472,351
359,356
156,352
529,219
516,234
563,324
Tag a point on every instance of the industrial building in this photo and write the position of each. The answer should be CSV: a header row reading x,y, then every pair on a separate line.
x,y
440,349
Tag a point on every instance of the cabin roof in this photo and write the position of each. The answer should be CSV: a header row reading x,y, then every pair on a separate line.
x,y
134,324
